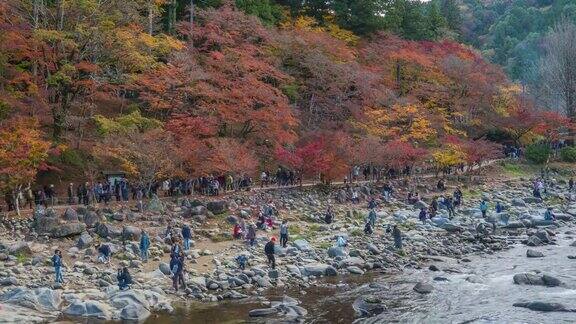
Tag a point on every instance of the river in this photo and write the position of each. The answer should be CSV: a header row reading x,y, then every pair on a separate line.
x,y
487,298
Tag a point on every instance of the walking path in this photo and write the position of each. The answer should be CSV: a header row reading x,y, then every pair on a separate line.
x,y
28,211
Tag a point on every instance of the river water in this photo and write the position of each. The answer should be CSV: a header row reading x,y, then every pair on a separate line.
x,y
479,291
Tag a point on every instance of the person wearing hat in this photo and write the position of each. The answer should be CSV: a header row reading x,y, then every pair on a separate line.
x,y
269,251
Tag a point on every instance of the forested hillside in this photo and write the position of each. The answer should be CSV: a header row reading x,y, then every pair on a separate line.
x,y
87,85
510,33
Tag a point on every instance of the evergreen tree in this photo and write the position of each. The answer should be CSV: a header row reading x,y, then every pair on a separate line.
x,y
435,21
451,13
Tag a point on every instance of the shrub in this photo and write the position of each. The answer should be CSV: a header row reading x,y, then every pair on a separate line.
x,y
537,153
568,154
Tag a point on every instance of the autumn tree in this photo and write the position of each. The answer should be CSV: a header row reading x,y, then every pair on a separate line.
x,y
146,157
22,152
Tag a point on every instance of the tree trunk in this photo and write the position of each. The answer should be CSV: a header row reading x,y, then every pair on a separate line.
x,y
150,17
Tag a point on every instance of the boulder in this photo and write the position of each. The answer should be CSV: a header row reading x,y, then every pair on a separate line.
x,y
544,236
423,288
368,306
84,241
20,248
40,299
533,241
262,312
155,205
68,229
134,312
131,233
373,249
118,217
217,207
518,202
336,251
91,219
70,215
88,308
106,230
542,306
46,224
165,268
534,254
302,245
353,261
318,269
196,210
536,280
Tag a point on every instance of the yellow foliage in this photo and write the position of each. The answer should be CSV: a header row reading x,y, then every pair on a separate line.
x,y
506,99
308,23
449,156
408,123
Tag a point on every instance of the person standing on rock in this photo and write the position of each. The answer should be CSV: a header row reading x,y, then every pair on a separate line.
x,y
57,263
187,236
144,246
71,194
484,208
368,228
499,207
284,233
355,199
269,251
458,197
397,235
372,217
571,184
178,277
449,206
423,215
372,203
251,235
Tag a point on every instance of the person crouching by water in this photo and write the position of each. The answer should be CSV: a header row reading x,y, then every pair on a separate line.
x,y
124,279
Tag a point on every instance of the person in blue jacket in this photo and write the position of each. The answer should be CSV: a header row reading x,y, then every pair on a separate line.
x,y
144,246
57,263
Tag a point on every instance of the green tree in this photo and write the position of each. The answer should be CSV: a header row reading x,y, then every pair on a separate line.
x,y
269,13
435,21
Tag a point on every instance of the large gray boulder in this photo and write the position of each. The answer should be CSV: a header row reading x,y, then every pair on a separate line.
x,y
534,254
352,261
423,288
302,245
92,218
543,306
106,230
319,269
336,251
155,204
46,224
68,229
134,312
84,241
536,280
90,309
218,207
70,215
40,299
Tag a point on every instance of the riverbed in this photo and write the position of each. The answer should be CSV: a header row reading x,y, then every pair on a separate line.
x,y
480,290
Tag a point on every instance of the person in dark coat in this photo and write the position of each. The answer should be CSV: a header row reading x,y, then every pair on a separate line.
x,y
269,251
423,215
124,279
397,235
187,236
57,263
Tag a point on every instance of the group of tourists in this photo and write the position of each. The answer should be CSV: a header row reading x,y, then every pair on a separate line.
x,y
282,177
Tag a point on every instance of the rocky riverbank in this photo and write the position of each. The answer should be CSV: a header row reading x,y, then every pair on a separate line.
x,y
28,294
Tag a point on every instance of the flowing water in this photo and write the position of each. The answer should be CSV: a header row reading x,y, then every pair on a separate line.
x,y
487,298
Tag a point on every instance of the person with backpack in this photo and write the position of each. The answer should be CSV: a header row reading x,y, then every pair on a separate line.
x,y
329,215
57,263
449,206
499,207
104,253
144,246
242,260
178,272
269,251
